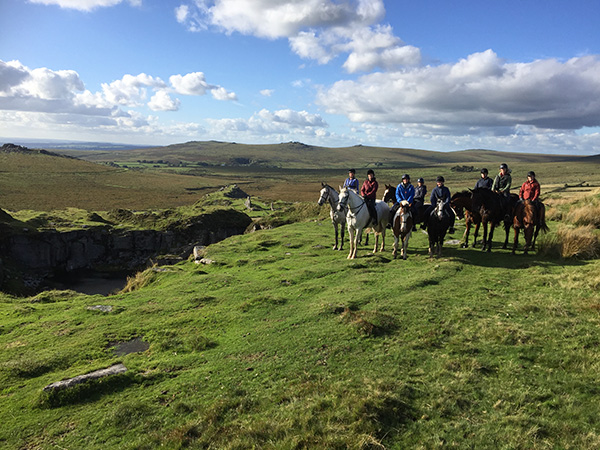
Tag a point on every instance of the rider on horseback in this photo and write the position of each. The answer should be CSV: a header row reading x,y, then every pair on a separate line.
x,y
530,190
351,182
501,186
420,193
484,182
404,191
369,193
441,192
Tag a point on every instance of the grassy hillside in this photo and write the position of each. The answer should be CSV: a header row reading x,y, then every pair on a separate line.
x,y
295,155
45,182
283,343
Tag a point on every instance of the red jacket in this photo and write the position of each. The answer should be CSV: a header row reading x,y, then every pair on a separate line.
x,y
369,189
530,190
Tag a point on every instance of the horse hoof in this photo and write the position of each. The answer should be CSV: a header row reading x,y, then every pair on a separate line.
x,y
464,246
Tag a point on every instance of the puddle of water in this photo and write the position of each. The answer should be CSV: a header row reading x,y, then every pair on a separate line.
x,y
133,346
91,284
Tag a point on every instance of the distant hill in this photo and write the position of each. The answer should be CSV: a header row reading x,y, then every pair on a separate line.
x,y
296,155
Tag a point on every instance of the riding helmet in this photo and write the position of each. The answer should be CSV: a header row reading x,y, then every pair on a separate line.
x,y
420,180
440,179
406,177
531,174
484,170
370,171
504,166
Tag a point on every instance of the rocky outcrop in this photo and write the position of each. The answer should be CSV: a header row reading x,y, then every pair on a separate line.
x,y
46,254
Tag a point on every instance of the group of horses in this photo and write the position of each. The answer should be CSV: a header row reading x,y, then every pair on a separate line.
x,y
483,207
478,207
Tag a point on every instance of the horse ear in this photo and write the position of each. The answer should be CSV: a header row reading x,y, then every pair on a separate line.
x,y
340,187
470,190
323,184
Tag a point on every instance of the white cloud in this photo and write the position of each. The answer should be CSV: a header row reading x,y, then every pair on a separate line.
x,y
220,93
281,125
189,84
85,5
267,92
318,30
475,95
131,89
162,101
12,74
195,84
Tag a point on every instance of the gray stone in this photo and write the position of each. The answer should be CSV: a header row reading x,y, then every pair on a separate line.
x,y
102,308
102,373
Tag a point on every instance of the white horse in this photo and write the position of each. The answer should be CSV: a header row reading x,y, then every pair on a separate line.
x,y
358,217
338,218
402,228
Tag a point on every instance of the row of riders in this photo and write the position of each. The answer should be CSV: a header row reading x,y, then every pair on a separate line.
x,y
489,204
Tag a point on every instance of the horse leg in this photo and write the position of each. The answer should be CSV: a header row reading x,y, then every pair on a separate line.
x,y
342,229
506,231
516,241
485,233
476,233
465,243
405,246
352,236
335,228
382,249
395,250
489,245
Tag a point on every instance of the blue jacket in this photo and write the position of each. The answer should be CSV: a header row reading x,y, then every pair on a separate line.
x,y
440,192
351,183
405,193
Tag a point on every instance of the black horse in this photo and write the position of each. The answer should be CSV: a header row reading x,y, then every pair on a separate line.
x,y
493,209
462,204
438,223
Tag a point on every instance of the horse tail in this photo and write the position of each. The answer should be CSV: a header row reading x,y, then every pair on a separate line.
x,y
543,227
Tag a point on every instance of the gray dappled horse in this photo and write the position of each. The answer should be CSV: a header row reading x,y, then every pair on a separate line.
x,y
338,218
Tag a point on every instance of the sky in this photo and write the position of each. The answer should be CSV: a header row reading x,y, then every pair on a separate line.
x,y
511,75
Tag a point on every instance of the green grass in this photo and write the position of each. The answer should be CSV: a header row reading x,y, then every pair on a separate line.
x,y
284,343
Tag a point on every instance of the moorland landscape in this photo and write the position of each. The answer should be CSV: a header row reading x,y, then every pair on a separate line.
x,y
268,338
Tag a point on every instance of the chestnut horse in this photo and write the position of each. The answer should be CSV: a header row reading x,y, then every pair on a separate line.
x,y
402,228
532,220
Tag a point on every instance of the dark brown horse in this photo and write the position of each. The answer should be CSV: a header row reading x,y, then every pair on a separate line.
x,y
462,204
493,210
532,220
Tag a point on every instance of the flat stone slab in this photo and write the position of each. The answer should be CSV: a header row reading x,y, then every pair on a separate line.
x,y
101,308
102,373
135,345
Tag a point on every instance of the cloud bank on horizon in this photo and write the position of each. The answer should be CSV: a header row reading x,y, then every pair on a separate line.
x,y
355,82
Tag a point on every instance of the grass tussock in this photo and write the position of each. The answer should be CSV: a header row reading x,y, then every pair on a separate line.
x,y
369,323
139,281
571,242
585,215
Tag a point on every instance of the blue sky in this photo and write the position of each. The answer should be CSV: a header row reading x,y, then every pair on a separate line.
x,y
512,75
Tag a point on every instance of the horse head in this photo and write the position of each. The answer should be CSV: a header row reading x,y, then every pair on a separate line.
x,y
324,194
343,199
389,194
439,209
404,213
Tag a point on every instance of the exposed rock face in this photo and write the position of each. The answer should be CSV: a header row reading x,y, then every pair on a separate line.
x,y
50,253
